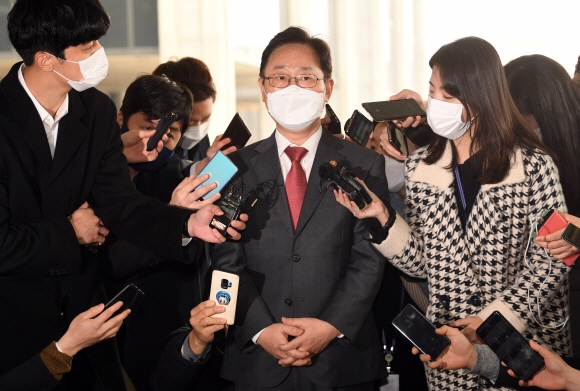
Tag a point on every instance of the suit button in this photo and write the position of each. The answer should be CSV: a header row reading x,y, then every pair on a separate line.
x,y
64,271
51,272
296,258
288,302
475,301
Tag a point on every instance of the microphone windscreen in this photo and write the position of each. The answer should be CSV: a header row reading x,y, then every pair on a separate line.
x,y
326,171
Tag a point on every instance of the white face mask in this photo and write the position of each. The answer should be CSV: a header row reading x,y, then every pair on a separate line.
x,y
295,108
193,135
444,118
94,69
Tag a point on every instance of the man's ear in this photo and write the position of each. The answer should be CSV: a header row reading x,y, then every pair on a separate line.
x,y
120,118
44,61
262,90
329,87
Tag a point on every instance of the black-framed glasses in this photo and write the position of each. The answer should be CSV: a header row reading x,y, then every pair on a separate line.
x,y
303,81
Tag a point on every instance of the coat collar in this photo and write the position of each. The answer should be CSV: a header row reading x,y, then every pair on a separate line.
x,y
438,175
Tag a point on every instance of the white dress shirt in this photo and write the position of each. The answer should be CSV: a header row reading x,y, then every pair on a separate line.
x,y
50,124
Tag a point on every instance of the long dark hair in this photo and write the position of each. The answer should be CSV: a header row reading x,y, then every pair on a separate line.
x,y
471,71
541,87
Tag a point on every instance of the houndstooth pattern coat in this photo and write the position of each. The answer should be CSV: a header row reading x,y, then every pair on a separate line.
x,y
483,269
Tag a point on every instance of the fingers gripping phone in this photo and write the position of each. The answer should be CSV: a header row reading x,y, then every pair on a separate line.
x,y
417,329
160,130
224,292
510,346
571,235
389,110
552,222
237,132
128,295
221,170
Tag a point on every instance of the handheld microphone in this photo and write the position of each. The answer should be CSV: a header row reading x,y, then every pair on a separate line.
x,y
342,179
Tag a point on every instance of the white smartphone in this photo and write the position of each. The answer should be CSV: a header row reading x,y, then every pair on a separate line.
x,y
224,292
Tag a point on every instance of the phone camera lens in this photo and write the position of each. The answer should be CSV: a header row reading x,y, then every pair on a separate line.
x,y
226,284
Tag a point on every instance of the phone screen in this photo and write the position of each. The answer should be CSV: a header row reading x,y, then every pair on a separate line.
x,y
334,125
237,132
220,170
224,292
572,235
417,329
359,128
510,346
393,109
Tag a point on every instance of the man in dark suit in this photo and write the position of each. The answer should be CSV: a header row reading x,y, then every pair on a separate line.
x,y
308,276
63,179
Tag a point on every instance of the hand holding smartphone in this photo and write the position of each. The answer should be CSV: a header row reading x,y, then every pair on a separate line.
x,y
224,292
128,295
552,222
417,329
160,130
510,346
221,170
397,139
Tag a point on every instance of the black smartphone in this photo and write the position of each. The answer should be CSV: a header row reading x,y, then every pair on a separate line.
x,y
417,329
389,110
237,132
397,138
510,346
162,126
128,295
359,128
334,125
572,235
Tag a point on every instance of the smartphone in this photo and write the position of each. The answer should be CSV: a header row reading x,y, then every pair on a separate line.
x,y
417,329
510,346
162,126
397,139
128,295
221,170
572,235
553,221
237,132
224,292
389,110
359,128
334,125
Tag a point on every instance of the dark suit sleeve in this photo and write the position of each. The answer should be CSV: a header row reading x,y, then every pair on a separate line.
x,y
31,248
350,305
144,221
173,372
31,375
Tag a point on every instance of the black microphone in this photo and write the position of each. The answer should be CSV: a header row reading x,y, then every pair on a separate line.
x,y
342,179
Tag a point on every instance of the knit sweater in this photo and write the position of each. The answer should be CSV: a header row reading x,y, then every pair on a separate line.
x,y
483,269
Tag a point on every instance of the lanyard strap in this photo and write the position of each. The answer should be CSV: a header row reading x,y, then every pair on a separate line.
x,y
460,187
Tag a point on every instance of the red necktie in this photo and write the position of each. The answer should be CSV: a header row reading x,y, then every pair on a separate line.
x,y
295,182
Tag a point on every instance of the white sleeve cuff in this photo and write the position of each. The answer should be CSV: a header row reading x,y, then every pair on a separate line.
x,y
255,338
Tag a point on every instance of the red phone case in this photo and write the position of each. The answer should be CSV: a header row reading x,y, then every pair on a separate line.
x,y
554,223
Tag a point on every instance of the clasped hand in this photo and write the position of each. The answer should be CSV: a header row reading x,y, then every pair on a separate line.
x,y
311,336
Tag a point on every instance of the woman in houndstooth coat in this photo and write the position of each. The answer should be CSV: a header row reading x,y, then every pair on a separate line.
x,y
472,196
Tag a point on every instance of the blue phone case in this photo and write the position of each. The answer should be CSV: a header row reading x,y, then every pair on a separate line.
x,y
220,170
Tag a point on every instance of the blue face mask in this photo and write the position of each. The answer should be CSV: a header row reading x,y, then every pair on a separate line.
x,y
156,164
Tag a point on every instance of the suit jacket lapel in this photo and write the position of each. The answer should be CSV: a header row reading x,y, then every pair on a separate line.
x,y
266,165
71,133
327,150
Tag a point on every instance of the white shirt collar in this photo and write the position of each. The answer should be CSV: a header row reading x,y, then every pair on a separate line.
x,y
61,112
311,144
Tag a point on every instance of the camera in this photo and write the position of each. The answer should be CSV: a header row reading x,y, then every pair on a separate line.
x,y
226,283
342,179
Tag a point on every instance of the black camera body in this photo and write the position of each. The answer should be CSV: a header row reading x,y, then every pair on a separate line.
x,y
342,179
233,203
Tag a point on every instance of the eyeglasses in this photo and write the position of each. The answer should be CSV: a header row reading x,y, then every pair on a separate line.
x,y
303,81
